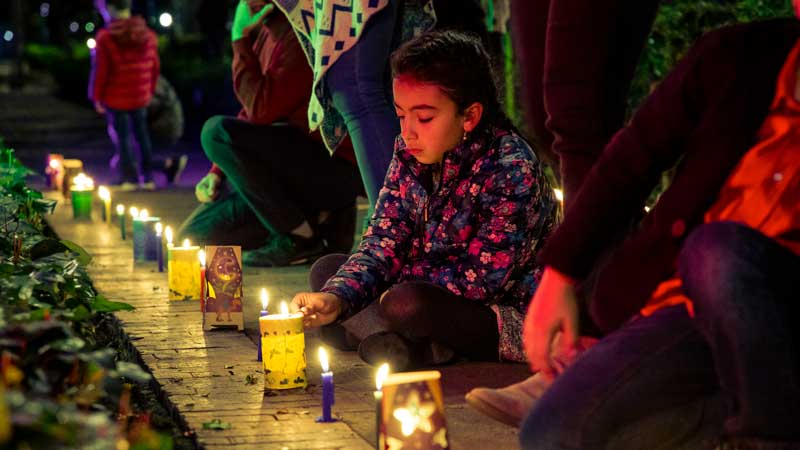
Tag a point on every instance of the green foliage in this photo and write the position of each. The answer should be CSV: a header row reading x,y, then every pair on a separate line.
x,y
678,25
58,387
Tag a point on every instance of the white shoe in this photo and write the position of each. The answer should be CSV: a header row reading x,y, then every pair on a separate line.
x,y
149,186
510,404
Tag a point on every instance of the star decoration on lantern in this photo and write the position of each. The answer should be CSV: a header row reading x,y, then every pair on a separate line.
x,y
415,415
440,438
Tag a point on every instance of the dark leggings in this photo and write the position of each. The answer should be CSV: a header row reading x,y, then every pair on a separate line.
x,y
419,310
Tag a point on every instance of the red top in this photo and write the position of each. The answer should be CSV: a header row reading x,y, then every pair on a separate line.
x,y
272,79
126,66
762,191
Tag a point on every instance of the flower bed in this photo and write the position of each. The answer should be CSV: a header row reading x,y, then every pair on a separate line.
x,y
62,382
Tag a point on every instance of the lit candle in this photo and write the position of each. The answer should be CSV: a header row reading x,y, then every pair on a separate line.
x,y
144,237
54,170
81,193
105,196
380,377
327,387
183,269
71,169
264,303
413,411
201,257
159,247
284,352
121,214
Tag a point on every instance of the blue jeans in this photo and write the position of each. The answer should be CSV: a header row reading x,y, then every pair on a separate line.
x,y
668,381
357,84
127,166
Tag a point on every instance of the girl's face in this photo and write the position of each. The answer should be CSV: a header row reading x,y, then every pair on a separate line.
x,y
430,122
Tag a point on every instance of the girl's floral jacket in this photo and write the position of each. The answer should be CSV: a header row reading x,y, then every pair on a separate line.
x,y
475,232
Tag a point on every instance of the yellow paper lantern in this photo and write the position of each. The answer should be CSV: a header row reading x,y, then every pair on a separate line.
x,y
183,272
283,348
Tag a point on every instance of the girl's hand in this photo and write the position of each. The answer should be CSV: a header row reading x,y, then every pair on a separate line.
x,y
318,308
554,308
99,108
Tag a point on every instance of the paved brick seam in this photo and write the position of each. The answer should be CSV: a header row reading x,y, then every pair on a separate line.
x,y
202,376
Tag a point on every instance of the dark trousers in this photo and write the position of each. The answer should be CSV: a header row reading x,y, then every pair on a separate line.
x,y
280,177
577,59
417,310
734,369
120,122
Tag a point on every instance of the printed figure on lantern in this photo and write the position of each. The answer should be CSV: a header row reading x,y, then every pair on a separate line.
x,y
224,279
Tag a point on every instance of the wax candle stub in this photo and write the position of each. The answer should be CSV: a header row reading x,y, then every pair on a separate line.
x,y
327,387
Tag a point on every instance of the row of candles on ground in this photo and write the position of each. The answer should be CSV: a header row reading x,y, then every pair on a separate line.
x,y
409,406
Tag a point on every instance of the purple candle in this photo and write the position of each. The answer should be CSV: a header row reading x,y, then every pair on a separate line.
x,y
327,388
264,303
159,249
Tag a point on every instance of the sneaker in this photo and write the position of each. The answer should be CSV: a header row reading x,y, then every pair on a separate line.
x,y
285,250
387,347
173,168
126,186
509,405
402,353
149,185
338,229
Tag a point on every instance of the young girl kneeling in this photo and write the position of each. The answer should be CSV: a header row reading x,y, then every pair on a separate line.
x,y
446,266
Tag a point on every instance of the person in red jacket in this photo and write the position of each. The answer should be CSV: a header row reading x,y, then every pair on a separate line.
x,y
290,201
125,68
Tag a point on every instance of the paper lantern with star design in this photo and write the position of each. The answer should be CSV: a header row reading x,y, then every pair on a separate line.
x,y
413,412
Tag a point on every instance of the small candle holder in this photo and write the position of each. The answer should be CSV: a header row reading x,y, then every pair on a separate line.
x,y
183,269
284,349
144,237
81,193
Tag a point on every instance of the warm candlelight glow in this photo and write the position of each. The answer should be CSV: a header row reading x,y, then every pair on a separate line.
x,y
323,359
559,194
201,255
264,299
380,376
159,229
104,194
54,164
168,234
82,182
143,214
187,243
134,212
284,308
120,209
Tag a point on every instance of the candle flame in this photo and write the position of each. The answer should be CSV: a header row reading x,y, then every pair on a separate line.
x,y
284,308
54,164
380,376
104,193
264,299
201,255
187,243
168,234
120,209
82,182
134,211
159,228
559,194
323,359
143,214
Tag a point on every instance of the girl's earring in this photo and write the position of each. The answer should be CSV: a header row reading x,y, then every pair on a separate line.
x,y
464,137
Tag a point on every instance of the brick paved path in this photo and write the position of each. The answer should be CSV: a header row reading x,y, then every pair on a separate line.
x,y
202,375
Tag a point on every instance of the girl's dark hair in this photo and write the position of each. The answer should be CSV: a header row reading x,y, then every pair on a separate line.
x,y
458,64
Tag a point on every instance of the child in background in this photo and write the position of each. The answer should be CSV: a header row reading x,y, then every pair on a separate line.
x,y
125,68
446,265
